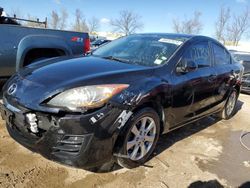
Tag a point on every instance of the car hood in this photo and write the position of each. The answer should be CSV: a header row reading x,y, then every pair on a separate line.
x,y
43,80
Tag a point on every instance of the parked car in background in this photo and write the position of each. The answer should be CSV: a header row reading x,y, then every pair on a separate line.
x,y
115,103
243,58
97,43
21,46
246,83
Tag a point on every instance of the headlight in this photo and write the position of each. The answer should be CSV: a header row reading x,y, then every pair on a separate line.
x,y
86,97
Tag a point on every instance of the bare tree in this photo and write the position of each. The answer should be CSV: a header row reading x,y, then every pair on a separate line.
x,y
55,20
93,24
188,26
221,24
127,23
238,27
16,12
58,21
80,22
63,19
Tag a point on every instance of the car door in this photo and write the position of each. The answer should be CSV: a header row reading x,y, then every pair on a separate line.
x,y
192,91
225,74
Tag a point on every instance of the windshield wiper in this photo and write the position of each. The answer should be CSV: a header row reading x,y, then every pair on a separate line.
x,y
116,59
122,60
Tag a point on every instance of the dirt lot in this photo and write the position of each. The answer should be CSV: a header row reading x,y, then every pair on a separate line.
x,y
204,153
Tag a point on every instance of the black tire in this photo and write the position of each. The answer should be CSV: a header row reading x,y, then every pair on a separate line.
x,y
224,113
127,132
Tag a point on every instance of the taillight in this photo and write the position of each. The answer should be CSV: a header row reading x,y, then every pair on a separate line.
x,y
86,46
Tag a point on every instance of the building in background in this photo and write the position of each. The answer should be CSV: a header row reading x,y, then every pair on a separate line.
x,y
107,35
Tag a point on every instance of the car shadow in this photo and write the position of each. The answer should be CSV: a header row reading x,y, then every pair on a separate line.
x,y
167,140
245,92
245,185
206,184
238,107
213,184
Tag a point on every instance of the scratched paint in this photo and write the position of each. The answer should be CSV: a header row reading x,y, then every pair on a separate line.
x,y
123,118
96,118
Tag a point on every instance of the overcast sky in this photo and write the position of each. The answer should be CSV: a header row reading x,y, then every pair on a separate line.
x,y
156,15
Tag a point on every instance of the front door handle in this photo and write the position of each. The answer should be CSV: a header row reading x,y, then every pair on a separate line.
x,y
212,77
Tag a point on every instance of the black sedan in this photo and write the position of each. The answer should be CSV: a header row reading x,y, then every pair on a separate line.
x,y
115,103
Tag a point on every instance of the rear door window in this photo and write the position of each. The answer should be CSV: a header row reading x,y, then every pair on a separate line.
x,y
221,56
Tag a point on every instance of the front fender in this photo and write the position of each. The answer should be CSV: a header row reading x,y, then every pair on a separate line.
x,y
149,92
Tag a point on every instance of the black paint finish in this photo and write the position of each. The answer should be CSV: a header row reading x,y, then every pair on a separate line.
x,y
178,98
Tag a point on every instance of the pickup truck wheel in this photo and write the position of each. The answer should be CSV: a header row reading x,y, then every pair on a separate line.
x,y
229,109
140,137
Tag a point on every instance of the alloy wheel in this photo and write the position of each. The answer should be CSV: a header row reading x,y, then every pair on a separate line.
x,y
141,138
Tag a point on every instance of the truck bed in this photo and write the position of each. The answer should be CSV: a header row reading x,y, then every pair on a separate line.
x,y
12,35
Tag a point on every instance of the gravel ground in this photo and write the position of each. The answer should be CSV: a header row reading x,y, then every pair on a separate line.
x,y
204,154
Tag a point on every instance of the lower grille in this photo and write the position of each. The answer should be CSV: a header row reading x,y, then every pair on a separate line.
x,y
71,145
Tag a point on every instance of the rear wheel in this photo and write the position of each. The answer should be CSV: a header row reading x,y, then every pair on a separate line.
x,y
229,108
140,138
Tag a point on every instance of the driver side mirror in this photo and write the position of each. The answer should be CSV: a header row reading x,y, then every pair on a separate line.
x,y
185,65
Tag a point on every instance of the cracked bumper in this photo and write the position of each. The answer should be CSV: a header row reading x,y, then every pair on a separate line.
x,y
74,140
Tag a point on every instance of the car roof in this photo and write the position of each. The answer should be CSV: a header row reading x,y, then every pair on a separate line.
x,y
167,35
184,37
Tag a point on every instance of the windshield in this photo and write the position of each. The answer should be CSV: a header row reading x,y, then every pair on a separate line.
x,y
143,50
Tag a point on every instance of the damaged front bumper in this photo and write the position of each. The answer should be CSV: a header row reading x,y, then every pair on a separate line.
x,y
80,140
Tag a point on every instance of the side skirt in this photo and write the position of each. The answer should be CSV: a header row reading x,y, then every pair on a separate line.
x,y
194,120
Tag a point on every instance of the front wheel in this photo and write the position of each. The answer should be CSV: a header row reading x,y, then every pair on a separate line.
x,y
229,108
140,137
